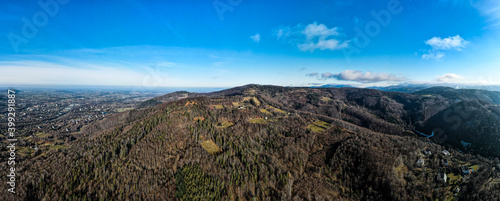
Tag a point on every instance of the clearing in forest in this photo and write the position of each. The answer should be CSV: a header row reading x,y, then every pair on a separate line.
x,y
318,126
265,111
219,107
325,99
275,110
257,121
252,100
225,124
210,146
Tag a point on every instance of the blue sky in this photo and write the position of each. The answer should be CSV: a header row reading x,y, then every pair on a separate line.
x,y
226,43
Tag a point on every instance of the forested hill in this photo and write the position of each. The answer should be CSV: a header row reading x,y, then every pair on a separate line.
x,y
263,143
457,117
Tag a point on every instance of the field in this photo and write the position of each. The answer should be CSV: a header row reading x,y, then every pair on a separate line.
x,y
265,111
24,151
275,110
42,134
454,178
318,126
124,109
210,146
325,99
257,121
252,100
225,124
219,107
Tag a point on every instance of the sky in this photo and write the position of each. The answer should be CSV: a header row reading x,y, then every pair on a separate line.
x,y
226,43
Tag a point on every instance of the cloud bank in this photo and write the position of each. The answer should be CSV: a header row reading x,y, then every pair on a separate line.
x,y
357,76
449,77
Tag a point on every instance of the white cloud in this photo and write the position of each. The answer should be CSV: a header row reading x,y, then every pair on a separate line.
x,y
319,30
256,38
439,45
449,77
358,76
311,37
452,42
433,55
283,33
330,44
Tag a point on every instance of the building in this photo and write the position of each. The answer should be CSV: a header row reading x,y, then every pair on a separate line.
x,y
466,170
427,152
420,163
445,152
441,177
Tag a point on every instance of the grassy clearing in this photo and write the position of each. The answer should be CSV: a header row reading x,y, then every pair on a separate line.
x,y
318,126
325,99
454,178
124,109
265,111
276,110
210,146
255,101
190,103
225,124
257,121
401,170
237,104
315,129
23,151
252,100
219,107
41,134
322,124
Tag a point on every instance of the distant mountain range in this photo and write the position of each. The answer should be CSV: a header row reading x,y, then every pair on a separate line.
x,y
410,88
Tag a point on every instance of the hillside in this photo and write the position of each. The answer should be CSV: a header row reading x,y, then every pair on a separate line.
x,y
261,143
404,114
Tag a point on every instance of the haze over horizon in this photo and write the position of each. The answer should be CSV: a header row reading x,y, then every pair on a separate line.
x,y
232,43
